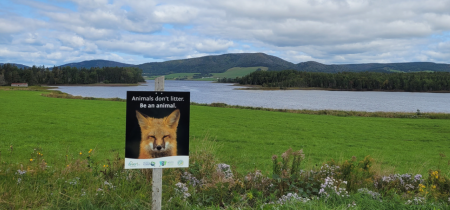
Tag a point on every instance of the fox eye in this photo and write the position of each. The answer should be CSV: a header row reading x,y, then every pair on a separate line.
x,y
151,137
165,136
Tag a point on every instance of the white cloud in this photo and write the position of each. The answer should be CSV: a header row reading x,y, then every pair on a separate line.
x,y
328,31
209,45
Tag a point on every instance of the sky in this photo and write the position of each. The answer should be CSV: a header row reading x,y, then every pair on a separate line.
x,y
56,32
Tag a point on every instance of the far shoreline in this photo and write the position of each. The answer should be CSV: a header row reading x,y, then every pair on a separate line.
x,y
259,87
99,84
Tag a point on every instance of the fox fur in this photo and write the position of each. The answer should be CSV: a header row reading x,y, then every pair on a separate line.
x,y
158,135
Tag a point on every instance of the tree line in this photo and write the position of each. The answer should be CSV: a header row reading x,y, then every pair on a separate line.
x,y
417,81
68,75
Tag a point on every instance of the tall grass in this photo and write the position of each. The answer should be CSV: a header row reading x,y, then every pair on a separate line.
x,y
87,182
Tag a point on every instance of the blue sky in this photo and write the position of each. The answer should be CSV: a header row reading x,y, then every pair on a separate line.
x,y
55,32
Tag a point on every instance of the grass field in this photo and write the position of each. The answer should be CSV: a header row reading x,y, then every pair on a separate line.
x,y
238,72
60,153
230,73
247,139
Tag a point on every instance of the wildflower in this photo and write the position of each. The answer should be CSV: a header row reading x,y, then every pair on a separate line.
x,y
21,172
418,177
191,179
353,204
435,174
433,186
31,160
226,169
274,157
90,151
182,189
81,153
291,196
421,187
249,195
285,155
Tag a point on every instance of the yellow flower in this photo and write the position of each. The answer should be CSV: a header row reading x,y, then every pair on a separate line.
x,y
81,153
249,196
104,166
433,186
31,160
67,165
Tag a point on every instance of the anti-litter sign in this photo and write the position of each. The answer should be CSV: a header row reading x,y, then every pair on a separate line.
x,y
157,129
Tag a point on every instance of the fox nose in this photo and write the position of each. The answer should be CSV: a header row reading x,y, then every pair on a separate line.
x,y
158,147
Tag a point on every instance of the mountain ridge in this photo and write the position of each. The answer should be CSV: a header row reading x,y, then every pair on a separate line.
x,y
221,63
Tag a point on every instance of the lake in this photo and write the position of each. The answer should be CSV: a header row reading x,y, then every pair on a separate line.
x,y
209,92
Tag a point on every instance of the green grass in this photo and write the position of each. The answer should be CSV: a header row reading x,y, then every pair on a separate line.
x,y
250,137
247,138
238,72
230,73
61,128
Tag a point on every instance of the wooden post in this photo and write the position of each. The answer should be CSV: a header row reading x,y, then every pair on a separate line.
x,y
157,172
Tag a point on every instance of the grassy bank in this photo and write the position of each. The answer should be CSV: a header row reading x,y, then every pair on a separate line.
x,y
72,152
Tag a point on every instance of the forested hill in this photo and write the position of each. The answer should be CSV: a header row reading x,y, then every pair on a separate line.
x,y
216,64
97,63
10,73
220,63
20,66
412,81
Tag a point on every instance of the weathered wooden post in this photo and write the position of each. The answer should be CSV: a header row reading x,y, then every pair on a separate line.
x,y
157,172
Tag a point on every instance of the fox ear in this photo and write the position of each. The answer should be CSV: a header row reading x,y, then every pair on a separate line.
x,y
143,122
172,119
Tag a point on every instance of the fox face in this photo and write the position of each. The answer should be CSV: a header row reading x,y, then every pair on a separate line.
x,y
158,135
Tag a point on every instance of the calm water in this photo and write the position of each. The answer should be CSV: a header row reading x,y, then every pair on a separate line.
x,y
208,92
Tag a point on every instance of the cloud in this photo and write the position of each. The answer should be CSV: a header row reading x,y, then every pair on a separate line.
x,y
209,45
328,31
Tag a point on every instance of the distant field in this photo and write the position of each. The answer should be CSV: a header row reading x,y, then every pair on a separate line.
x,y
238,72
399,71
230,73
247,139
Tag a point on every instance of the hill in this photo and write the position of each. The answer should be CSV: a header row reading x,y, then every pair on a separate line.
x,y
97,63
207,65
216,64
403,67
221,63
20,66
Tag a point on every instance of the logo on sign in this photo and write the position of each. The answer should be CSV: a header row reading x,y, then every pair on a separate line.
x,y
152,163
162,163
131,164
180,162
